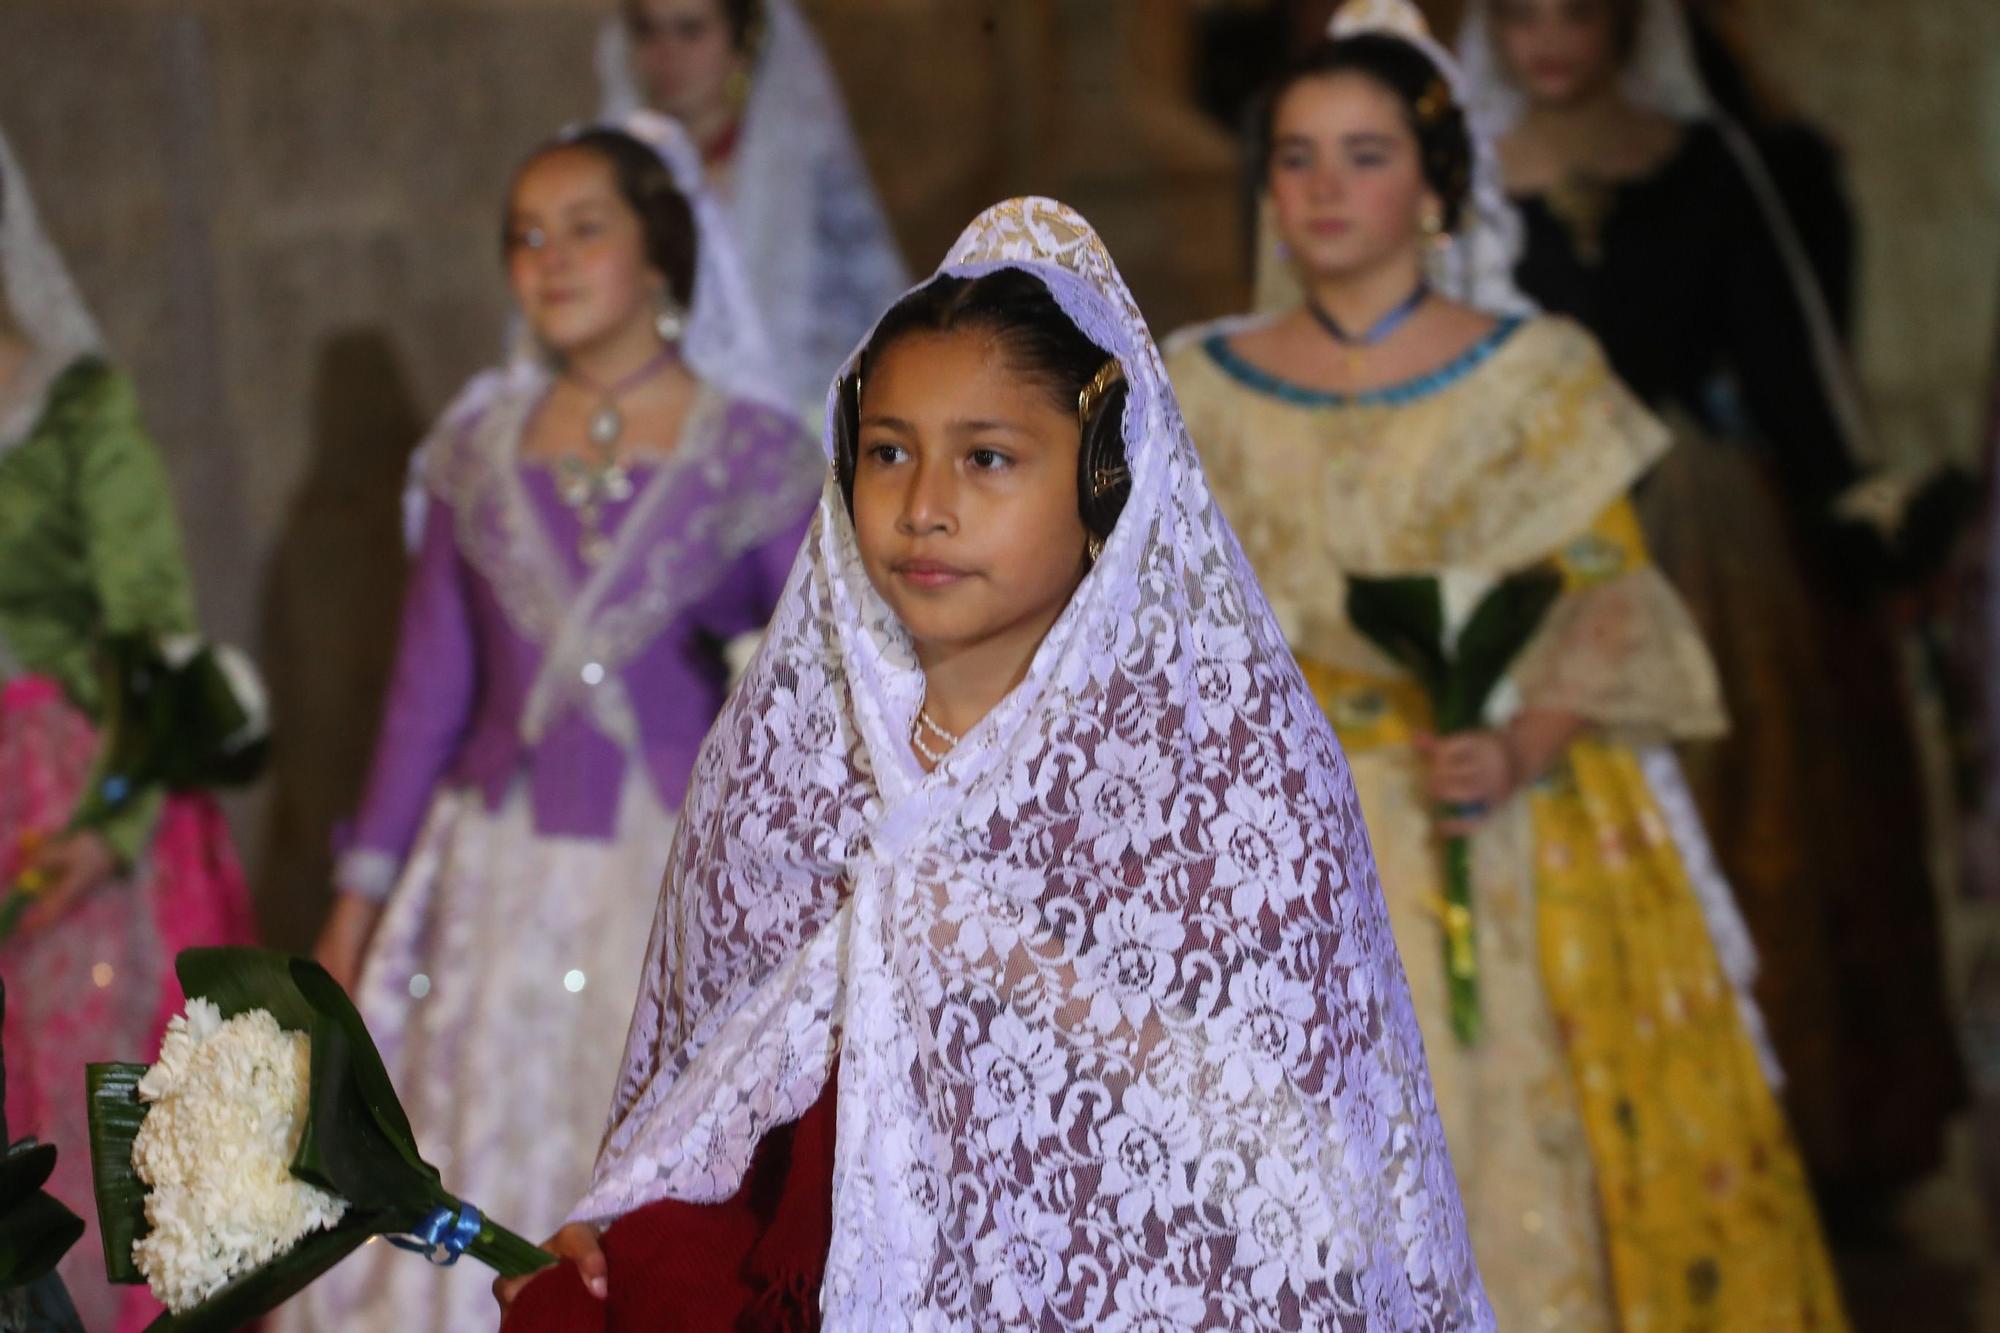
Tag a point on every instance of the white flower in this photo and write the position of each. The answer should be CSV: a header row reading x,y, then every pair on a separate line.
x,y
1019,1069
1147,1149
228,1103
1261,1037
1460,591
1278,1217
1257,841
1123,800
248,689
1149,1301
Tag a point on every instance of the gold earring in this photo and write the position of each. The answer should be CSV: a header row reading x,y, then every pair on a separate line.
x,y
1432,223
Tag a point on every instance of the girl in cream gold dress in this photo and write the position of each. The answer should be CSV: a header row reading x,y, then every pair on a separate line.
x,y
1622,1159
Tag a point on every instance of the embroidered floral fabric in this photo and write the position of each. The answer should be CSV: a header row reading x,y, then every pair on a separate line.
x,y
1122,1034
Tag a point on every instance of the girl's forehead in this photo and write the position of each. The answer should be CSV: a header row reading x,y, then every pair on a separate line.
x,y
565,177
1346,99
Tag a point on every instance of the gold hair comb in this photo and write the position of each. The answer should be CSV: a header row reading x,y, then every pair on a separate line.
x,y
1435,102
1100,384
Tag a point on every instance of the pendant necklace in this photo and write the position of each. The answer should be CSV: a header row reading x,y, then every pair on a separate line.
x,y
1375,334
590,482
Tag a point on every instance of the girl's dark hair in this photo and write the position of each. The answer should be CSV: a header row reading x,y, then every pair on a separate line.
x,y
1444,144
745,19
665,217
1625,18
1016,309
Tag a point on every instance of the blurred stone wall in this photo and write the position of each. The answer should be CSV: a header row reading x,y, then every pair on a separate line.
x,y
1911,92
285,212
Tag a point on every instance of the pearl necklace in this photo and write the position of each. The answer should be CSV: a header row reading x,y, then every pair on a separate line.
x,y
925,724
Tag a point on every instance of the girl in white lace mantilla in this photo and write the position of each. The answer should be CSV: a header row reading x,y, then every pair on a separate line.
x,y
1120,1033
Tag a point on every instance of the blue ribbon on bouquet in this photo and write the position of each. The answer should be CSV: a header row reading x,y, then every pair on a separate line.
x,y
443,1236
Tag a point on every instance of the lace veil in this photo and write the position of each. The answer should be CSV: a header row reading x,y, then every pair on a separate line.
x,y
1122,1035
40,300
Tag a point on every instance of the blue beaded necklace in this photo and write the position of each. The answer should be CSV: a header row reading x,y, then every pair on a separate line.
x,y
1375,334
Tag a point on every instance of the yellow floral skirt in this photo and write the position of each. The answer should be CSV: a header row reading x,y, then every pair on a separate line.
x,y
1623,1162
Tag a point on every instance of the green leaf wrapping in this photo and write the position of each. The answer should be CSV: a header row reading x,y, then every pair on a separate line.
x,y
1404,617
245,1298
237,981
363,1067
115,1116
1498,629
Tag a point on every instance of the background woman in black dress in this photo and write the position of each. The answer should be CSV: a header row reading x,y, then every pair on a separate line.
x,y
1649,217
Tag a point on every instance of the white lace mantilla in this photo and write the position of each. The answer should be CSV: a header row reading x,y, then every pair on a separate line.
x,y
1123,1038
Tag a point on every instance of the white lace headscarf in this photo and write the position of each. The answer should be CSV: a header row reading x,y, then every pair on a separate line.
x,y
1476,264
1122,1036
41,302
821,257
1661,74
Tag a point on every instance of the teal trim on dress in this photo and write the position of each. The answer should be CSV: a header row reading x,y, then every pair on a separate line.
x,y
1389,395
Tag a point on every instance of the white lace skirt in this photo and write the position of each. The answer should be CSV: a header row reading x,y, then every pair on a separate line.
x,y
499,987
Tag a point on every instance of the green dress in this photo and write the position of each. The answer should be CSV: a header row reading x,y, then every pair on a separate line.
x,y
88,546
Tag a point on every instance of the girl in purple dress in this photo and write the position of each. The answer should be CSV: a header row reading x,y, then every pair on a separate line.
x,y
599,520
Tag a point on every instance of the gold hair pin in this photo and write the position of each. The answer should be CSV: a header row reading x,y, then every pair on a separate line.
x,y
1100,384
1435,102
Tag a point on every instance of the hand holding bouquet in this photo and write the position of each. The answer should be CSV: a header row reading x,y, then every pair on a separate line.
x,y
180,713
1458,633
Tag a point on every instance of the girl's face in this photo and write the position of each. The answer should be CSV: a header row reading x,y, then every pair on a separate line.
x,y
1556,51
965,504
576,253
684,53
1346,179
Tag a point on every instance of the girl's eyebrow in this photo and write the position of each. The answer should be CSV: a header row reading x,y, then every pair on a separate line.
x,y
957,426
1368,139
978,425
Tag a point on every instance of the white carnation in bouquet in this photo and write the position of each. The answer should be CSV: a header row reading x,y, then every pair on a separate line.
x,y
228,1101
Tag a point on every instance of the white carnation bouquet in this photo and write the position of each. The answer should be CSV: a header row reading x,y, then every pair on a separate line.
x,y
263,1147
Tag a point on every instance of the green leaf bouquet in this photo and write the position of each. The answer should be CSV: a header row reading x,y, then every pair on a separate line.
x,y
1458,634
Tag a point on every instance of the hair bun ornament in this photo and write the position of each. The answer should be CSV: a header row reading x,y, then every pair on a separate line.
x,y
1397,18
